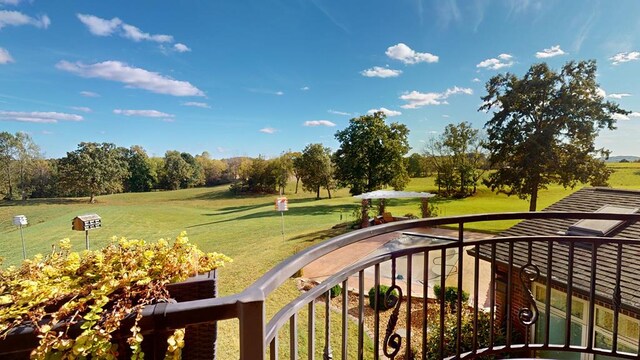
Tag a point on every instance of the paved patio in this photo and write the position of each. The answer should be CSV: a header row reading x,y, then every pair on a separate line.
x,y
339,259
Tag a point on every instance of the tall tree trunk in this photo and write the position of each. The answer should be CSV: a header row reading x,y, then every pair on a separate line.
x,y
318,193
329,192
533,203
297,181
92,199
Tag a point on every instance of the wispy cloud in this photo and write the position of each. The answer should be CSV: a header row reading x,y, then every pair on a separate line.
x,y
329,16
475,80
503,60
319,123
5,57
407,55
266,91
132,77
380,72
624,57
89,94
268,130
550,52
336,112
618,96
305,88
16,18
143,113
98,26
179,47
447,11
81,108
135,34
197,104
417,99
10,2
105,27
38,116
389,113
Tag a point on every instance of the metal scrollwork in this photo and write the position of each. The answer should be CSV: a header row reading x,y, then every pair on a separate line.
x,y
392,340
528,274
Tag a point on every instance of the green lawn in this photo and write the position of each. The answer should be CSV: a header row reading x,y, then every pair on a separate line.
x,y
246,228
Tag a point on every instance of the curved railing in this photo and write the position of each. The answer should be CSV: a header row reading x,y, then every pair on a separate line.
x,y
523,312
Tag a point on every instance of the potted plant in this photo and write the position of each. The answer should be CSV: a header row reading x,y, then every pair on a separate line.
x,y
79,304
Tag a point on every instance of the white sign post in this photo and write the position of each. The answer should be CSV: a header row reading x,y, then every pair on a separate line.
x,y
282,206
20,220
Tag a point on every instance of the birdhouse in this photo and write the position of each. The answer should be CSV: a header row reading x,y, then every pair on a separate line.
x,y
19,220
86,222
282,204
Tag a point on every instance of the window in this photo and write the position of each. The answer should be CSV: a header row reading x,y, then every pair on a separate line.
x,y
628,327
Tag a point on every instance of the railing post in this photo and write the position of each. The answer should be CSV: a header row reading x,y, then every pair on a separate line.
x,y
251,316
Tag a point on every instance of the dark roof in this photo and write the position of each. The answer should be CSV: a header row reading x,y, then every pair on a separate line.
x,y
583,200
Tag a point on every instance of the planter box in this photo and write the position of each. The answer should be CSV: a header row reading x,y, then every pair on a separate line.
x,y
200,339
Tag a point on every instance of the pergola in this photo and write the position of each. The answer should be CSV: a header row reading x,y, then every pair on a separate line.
x,y
392,194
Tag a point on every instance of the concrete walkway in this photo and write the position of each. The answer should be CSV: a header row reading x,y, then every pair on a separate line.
x,y
343,257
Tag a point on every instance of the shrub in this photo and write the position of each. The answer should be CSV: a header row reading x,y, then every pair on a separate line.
x,y
336,291
98,288
382,291
450,295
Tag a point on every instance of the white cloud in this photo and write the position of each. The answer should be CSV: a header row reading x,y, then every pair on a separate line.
x,y
407,55
381,72
197,104
5,57
551,52
38,116
619,117
305,88
179,47
98,26
475,80
503,60
336,112
386,111
143,113
89,94
135,34
635,114
618,96
81,108
417,99
600,92
268,130
279,93
319,123
446,116
132,77
10,2
625,57
16,18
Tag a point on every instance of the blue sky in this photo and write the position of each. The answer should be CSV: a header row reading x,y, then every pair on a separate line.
x,y
261,77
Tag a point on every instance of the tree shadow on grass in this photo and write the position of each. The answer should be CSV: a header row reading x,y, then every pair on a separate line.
x,y
312,210
44,201
323,234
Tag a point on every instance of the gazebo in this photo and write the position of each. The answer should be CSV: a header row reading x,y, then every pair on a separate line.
x,y
392,194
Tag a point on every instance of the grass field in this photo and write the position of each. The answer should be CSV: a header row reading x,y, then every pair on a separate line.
x,y
246,228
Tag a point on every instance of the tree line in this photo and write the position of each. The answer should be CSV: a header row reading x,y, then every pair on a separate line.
x,y
542,130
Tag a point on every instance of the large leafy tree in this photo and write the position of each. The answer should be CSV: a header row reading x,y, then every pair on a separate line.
x,y
371,154
93,169
142,176
543,129
18,153
175,170
316,169
457,156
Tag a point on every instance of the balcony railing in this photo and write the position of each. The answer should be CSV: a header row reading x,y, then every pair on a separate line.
x,y
518,303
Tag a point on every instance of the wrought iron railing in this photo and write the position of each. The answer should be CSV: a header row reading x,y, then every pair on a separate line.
x,y
525,313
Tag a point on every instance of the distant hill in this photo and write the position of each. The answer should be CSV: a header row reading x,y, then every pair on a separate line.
x,y
620,157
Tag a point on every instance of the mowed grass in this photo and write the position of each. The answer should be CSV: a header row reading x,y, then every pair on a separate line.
x,y
246,228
